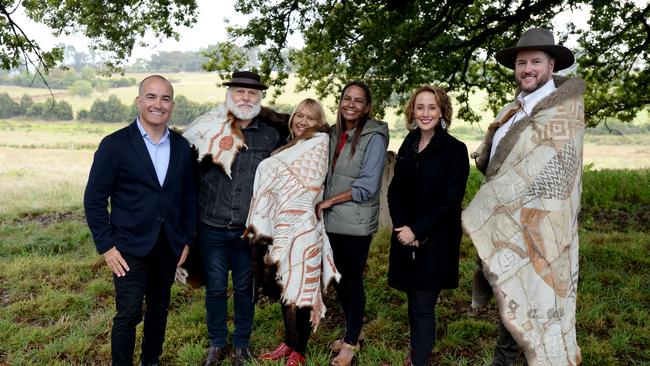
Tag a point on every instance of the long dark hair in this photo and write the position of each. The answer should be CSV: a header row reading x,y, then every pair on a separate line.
x,y
340,122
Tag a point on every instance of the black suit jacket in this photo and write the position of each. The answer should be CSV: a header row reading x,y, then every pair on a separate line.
x,y
123,171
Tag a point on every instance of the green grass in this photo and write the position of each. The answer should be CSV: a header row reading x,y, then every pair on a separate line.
x,y
57,297
57,304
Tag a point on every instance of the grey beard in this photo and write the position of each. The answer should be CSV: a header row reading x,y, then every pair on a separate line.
x,y
243,115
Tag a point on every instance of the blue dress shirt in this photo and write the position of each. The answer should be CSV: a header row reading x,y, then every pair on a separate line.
x,y
159,152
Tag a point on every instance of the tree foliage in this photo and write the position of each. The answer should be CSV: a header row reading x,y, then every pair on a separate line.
x,y
396,46
111,110
185,110
47,110
8,107
81,87
65,79
113,26
50,110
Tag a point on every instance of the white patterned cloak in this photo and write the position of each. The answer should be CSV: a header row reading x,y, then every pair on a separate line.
x,y
524,224
213,134
287,187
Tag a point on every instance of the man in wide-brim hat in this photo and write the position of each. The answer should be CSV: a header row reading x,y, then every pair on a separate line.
x,y
231,140
523,220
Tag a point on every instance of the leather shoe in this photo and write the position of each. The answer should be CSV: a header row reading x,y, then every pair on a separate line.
x,y
296,359
280,353
215,356
148,364
242,355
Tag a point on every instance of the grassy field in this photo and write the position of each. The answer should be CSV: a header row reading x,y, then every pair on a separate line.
x,y
56,295
44,165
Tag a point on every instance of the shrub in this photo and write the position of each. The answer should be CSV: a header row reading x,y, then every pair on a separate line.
x,y
25,102
82,114
121,83
51,110
615,200
62,110
111,110
8,107
81,87
185,111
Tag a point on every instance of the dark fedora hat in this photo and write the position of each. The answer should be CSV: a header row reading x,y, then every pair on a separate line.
x,y
537,39
246,79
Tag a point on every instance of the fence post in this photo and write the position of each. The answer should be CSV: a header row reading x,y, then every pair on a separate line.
x,y
384,214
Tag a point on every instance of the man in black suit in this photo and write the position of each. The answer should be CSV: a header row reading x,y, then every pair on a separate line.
x,y
145,169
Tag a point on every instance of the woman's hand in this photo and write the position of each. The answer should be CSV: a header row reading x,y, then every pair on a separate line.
x,y
322,205
405,236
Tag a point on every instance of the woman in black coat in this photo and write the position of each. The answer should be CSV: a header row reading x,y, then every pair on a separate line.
x,y
425,199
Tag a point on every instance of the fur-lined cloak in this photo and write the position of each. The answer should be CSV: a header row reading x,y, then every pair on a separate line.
x,y
524,223
287,187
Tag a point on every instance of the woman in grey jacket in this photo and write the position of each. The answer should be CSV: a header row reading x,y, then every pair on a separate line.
x,y
351,204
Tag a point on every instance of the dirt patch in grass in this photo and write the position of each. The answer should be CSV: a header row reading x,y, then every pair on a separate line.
x,y
597,219
47,218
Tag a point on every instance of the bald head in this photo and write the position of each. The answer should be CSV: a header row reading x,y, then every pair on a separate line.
x,y
141,87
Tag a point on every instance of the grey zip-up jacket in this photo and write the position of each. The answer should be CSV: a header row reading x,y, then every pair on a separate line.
x,y
352,218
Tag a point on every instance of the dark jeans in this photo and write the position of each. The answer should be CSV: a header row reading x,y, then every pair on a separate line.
x,y
297,327
149,278
222,250
422,322
507,350
350,256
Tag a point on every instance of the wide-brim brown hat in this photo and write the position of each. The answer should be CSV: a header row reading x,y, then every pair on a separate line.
x,y
246,79
537,39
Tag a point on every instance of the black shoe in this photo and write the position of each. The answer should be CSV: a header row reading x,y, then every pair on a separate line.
x,y
148,364
241,356
215,356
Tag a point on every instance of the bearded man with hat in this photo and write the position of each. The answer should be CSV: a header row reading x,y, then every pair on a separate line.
x,y
231,140
523,221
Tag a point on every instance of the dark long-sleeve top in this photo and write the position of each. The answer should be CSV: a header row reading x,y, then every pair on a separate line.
x,y
426,194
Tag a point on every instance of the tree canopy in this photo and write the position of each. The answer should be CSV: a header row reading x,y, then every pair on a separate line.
x,y
113,27
394,45
397,45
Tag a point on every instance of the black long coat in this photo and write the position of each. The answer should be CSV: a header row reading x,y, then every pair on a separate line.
x,y
426,194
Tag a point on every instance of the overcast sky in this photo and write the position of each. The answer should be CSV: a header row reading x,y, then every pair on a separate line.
x,y
209,29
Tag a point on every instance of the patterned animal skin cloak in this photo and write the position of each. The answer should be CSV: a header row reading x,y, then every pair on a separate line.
x,y
524,224
287,187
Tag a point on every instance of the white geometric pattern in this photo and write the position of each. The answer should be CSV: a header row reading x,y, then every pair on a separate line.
x,y
287,187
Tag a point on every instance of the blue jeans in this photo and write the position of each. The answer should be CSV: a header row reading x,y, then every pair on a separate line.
x,y
222,250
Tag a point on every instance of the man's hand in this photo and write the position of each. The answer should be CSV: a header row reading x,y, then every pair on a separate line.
x,y
322,205
405,236
116,262
184,253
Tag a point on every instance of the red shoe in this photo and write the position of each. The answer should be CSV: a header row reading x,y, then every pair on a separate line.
x,y
296,359
280,353
407,361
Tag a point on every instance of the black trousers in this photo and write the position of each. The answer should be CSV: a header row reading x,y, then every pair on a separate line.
x,y
422,324
149,278
297,327
350,256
